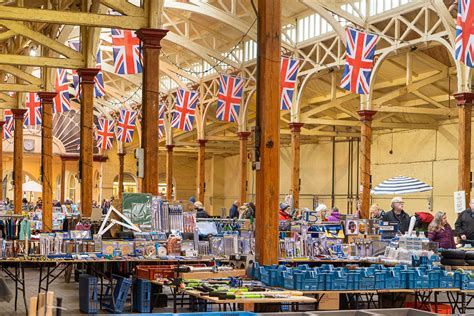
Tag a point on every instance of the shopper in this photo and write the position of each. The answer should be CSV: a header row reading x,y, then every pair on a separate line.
x,y
441,232
376,212
322,211
252,206
398,215
200,211
335,215
105,207
234,210
283,212
465,223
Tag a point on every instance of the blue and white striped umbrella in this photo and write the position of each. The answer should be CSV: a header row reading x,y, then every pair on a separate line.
x,y
401,185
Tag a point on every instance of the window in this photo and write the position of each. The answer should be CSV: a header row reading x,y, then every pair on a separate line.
x,y
129,184
72,188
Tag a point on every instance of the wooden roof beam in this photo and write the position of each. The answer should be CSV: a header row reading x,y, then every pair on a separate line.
x,y
72,18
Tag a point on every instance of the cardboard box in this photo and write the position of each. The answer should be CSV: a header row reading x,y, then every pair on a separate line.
x,y
330,301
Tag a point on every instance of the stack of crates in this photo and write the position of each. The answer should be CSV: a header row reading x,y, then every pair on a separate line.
x,y
116,294
142,296
88,302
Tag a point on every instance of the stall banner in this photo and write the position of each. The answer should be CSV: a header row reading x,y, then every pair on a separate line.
x,y
459,201
137,207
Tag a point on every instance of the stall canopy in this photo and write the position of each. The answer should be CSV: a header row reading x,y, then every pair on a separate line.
x,y
401,185
32,186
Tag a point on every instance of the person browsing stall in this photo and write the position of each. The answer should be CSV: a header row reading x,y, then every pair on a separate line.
x,y
234,210
465,223
398,215
200,211
335,215
441,232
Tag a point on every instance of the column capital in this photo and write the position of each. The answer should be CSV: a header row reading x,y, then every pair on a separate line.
x,y
243,135
122,154
201,142
87,75
464,98
151,38
47,97
18,113
170,147
295,126
366,115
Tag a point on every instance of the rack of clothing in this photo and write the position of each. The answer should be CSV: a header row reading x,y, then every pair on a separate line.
x,y
15,227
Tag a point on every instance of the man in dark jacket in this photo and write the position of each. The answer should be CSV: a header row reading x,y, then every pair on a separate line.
x,y
465,223
398,215
234,210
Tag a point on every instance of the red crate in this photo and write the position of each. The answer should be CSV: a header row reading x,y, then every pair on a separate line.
x,y
155,272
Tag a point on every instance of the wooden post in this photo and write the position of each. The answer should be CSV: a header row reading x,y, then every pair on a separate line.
x,y
268,116
295,162
87,76
18,159
365,149
464,102
47,158
121,157
201,172
2,123
151,45
63,180
169,172
243,136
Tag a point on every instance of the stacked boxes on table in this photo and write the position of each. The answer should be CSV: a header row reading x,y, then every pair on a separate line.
x,y
375,277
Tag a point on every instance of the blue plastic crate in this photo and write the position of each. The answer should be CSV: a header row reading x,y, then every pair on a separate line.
x,y
467,281
380,279
353,280
450,280
336,281
88,287
327,267
367,281
141,296
394,279
272,276
310,281
416,279
115,301
289,280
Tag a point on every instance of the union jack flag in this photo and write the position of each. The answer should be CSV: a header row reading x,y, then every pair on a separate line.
x,y
61,102
105,133
8,127
99,85
184,110
127,53
360,51
288,72
464,46
126,126
33,110
161,120
228,99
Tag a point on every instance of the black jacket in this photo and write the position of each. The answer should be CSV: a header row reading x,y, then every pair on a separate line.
x,y
403,221
465,224
234,211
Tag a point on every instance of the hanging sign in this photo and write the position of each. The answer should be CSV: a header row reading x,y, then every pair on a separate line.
x,y
459,201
